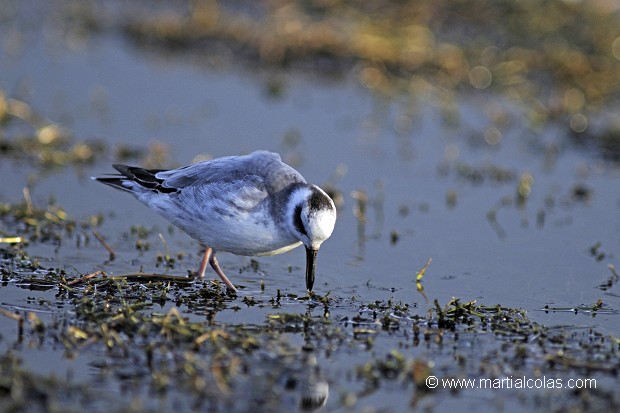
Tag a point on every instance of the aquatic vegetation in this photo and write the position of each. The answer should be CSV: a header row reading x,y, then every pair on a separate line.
x,y
26,135
27,222
162,335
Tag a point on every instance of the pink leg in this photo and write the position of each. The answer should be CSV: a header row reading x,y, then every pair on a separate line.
x,y
216,266
205,260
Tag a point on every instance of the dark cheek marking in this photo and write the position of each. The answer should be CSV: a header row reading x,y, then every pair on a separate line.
x,y
298,222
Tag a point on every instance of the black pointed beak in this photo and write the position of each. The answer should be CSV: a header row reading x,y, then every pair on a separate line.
x,y
310,265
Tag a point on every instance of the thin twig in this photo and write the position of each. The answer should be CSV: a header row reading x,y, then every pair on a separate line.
x,y
420,274
87,277
105,245
11,240
11,315
28,199
142,275
166,249
16,317
136,275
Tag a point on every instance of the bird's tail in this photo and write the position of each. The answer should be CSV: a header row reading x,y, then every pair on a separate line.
x,y
134,179
115,181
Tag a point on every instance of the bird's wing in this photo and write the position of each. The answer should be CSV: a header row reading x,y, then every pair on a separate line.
x,y
232,199
263,165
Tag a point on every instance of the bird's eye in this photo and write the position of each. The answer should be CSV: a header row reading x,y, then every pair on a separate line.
x,y
299,224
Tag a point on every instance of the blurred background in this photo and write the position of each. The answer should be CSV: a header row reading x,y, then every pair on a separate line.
x,y
482,134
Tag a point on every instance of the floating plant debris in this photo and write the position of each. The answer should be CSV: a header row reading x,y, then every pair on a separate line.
x,y
167,332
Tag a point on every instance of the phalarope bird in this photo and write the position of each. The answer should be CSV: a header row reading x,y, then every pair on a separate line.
x,y
246,205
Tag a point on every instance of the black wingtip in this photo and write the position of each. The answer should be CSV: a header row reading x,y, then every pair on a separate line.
x,y
113,181
124,169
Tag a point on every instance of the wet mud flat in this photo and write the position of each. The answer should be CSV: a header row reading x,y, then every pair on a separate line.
x,y
156,344
153,342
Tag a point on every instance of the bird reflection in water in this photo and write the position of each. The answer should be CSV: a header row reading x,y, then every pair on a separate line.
x,y
312,388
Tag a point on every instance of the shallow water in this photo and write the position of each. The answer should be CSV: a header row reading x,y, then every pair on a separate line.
x,y
404,155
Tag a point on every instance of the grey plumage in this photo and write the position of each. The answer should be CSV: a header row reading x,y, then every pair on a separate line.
x,y
247,205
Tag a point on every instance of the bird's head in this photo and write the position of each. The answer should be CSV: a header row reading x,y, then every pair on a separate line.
x,y
312,218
